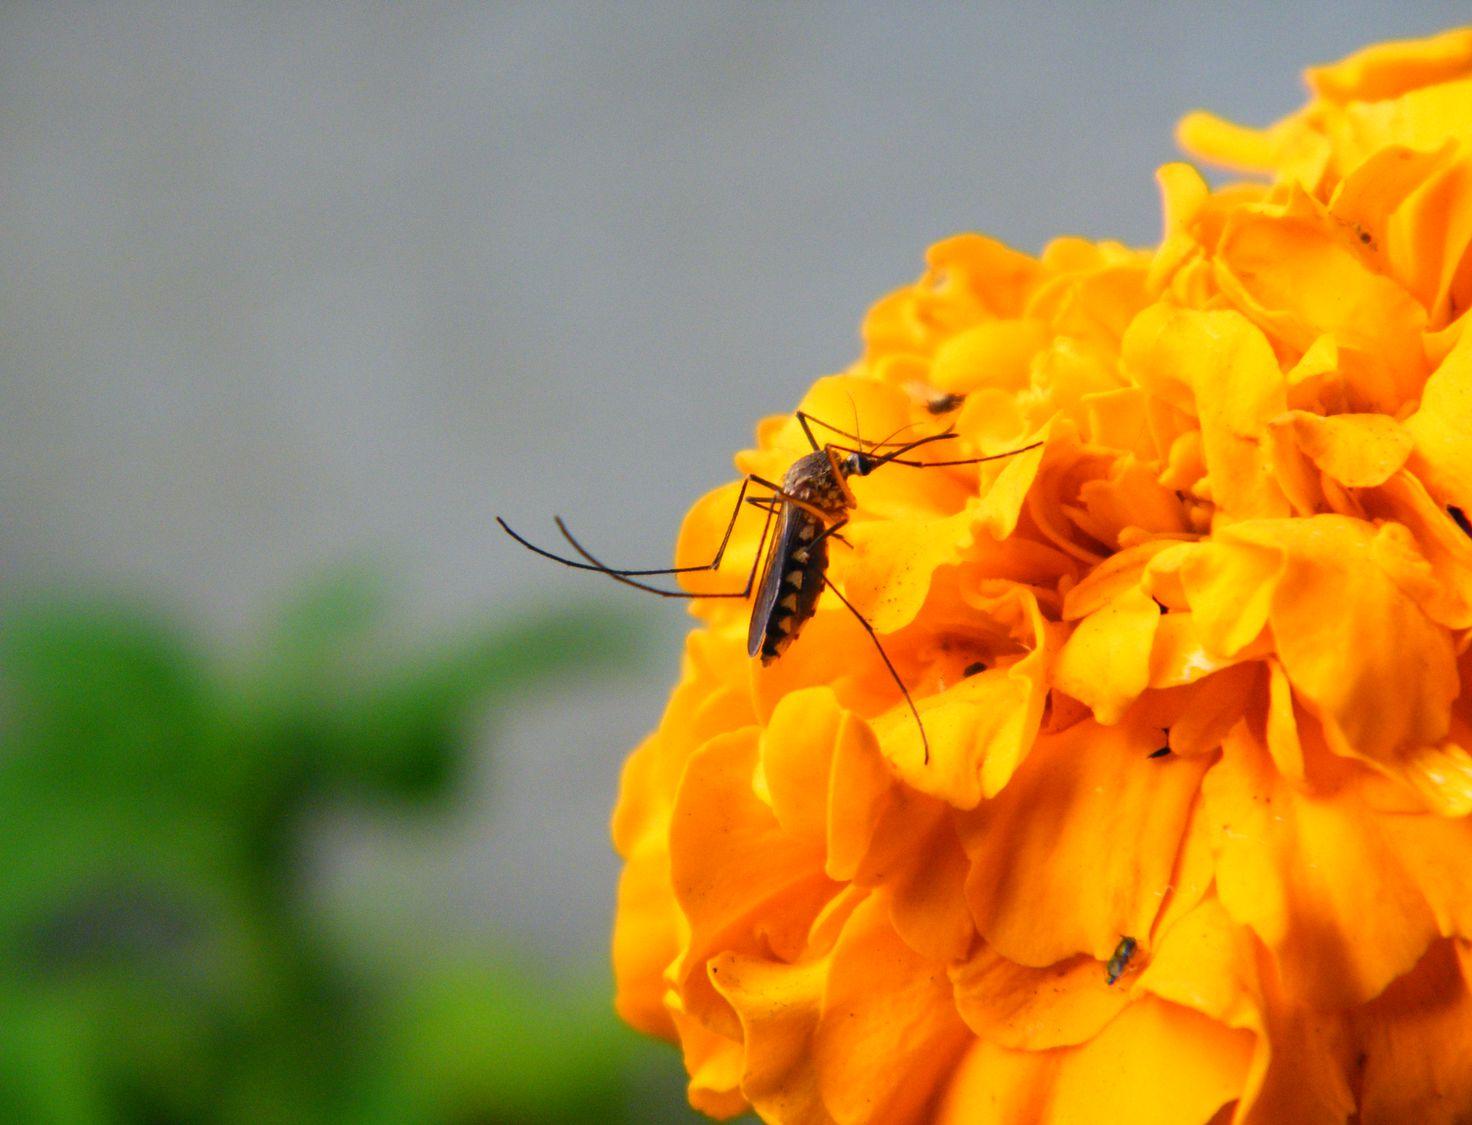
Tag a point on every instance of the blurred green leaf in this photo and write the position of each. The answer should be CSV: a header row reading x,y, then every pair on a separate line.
x,y
158,958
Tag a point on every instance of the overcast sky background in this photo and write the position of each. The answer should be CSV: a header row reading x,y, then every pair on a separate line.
x,y
288,286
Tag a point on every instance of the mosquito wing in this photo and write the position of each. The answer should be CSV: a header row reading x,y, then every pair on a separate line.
x,y
791,583
771,584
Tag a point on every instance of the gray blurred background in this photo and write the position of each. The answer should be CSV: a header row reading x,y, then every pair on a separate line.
x,y
288,286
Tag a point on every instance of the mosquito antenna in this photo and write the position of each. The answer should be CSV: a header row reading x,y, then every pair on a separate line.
x,y
854,407
963,461
890,439
916,444
803,418
893,672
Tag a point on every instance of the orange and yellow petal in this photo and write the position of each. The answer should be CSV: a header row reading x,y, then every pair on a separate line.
x,y
1180,672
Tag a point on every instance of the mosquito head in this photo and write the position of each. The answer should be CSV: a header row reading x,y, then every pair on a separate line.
x,y
858,464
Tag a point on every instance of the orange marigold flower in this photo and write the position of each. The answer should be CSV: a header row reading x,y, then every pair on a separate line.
x,y
1193,673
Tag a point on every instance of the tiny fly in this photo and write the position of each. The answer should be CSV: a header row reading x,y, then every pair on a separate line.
x,y
1120,961
811,506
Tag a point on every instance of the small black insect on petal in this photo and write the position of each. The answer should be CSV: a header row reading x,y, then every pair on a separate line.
x,y
975,667
1122,954
1460,517
1162,752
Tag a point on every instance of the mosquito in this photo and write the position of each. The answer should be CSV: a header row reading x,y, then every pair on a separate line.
x,y
811,505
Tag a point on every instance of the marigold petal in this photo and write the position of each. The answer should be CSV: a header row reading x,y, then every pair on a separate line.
x,y
1294,275
1327,591
1049,884
889,579
1235,388
992,354
1229,587
741,882
1315,878
1155,1063
1109,579
1413,1042
889,1032
1207,962
779,1006
1387,697
1106,661
796,760
1357,450
980,729
1300,1070
713,1062
1437,853
1447,598
1440,427
860,790
927,903
1220,141
646,940
1387,70
1032,1009
1442,774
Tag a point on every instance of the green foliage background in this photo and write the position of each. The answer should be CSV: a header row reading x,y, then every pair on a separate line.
x,y
160,957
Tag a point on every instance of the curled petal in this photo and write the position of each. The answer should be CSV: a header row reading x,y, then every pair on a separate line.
x,y
1034,1009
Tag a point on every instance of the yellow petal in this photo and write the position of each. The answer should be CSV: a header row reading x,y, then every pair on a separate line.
x,y
927,904
995,353
1156,1063
1440,428
779,1006
796,759
1109,579
713,1062
889,1031
741,882
980,729
1050,881
1291,271
1106,661
860,790
1334,595
1230,588
1031,1009
646,940
1357,450
1413,1041
1221,142
1315,879
1235,387
1386,70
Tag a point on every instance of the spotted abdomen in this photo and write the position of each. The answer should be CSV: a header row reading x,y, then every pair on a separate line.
x,y
791,583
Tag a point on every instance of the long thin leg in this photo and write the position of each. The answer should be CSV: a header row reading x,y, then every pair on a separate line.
x,y
712,565
859,617
619,576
